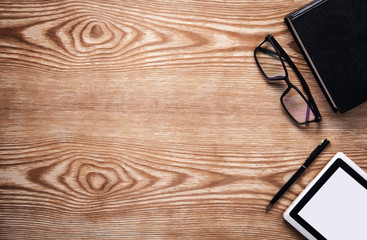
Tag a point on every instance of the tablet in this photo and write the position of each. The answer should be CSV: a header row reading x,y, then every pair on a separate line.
x,y
334,204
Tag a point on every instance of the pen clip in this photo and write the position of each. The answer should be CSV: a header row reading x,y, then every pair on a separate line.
x,y
316,151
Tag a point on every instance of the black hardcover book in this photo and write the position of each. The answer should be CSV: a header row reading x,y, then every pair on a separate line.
x,y
332,36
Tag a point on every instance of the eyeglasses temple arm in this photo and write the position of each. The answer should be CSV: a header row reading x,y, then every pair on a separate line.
x,y
267,51
302,80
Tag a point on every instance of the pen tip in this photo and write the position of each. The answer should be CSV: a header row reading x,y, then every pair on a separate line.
x,y
268,207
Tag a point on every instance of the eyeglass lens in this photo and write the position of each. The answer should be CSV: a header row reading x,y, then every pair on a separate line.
x,y
297,106
269,61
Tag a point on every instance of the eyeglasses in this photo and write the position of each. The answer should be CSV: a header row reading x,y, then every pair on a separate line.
x,y
270,58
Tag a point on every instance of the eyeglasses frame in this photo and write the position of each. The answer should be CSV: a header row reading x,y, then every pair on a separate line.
x,y
281,54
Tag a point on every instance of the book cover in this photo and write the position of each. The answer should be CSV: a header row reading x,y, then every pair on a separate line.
x,y
332,36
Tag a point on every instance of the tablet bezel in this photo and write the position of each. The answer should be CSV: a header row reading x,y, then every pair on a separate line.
x,y
339,161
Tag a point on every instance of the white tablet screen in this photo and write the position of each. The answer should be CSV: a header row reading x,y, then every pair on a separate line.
x,y
338,210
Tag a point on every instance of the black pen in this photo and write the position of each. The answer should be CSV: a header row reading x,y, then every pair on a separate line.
x,y
313,155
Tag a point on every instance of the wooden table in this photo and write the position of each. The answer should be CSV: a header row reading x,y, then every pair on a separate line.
x,y
150,120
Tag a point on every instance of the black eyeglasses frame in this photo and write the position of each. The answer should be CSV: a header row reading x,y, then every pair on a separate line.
x,y
284,56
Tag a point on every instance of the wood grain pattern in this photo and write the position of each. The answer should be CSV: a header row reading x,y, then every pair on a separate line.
x,y
150,120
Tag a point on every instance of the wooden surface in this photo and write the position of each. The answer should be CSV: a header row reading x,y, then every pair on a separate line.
x,y
150,120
